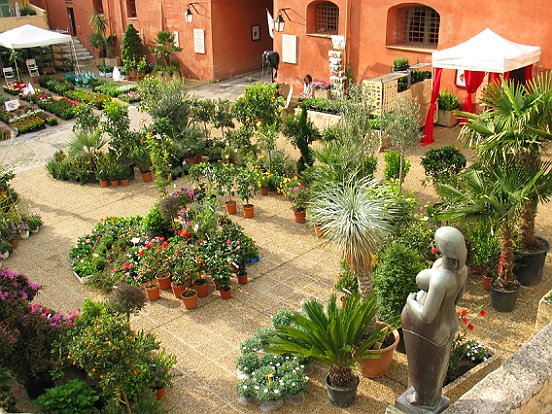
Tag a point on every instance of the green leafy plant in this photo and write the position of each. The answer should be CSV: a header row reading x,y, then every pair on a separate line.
x,y
259,104
447,101
483,249
132,48
246,181
74,397
442,165
330,335
393,166
302,132
395,278
164,48
347,281
401,63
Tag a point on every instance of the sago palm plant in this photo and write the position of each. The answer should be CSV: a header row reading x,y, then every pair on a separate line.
x,y
496,196
515,129
356,222
333,335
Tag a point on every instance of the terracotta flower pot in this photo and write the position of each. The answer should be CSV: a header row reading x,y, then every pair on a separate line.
x,y
178,290
164,282
147,176
264,191
242,280
377,367
189,297
125,182
300,216
318,231
201,287
160,393
226,293
487,283
230,207
103,183
114,183
249,211
152,290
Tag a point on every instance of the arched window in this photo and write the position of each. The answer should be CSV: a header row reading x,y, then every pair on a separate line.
x,y
416,26
326,18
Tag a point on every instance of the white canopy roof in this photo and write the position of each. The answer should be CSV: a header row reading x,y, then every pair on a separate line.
x,y
31,36
487,52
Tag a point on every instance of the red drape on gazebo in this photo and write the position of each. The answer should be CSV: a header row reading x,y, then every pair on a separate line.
x,y
528,73
473,81
428,128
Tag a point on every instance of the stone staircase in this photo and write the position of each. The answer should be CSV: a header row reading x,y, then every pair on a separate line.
x,y
63,53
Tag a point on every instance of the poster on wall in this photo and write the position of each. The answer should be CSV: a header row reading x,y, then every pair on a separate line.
x,y
199,41
289,48
460,79
256,32
338,42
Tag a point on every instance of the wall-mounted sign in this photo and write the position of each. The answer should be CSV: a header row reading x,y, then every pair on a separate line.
x,y
256,32
11,105
289,48
199,41
176,38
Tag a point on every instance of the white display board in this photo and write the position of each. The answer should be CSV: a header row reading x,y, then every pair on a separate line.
x,y
289,48
199,41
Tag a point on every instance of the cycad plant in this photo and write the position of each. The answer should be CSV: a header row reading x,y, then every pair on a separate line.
x,y
334,335
514,130
496,196
356,222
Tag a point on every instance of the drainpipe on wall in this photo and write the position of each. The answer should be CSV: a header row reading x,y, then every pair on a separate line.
x,y
347,33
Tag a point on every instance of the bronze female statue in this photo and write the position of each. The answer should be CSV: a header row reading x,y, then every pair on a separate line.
x,y
430,323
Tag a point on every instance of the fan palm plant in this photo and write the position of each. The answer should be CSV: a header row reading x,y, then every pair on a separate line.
x,y
356,222
164,47
516,129
496,196
86,145
333,335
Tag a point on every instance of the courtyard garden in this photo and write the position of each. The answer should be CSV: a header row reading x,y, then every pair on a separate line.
x,y
224,279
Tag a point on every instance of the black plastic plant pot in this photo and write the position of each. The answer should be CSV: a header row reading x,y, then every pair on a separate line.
x,y
529,266
342,396
503,300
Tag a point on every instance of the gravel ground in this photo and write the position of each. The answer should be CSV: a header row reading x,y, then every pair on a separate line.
x,y
294,266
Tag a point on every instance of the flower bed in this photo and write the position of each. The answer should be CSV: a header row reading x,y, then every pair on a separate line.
x,y
136,249
30,122
55,85
15,88
113,89
63,108
131,97
97,100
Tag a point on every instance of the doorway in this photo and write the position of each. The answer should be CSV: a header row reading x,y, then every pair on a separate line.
x,y
71,17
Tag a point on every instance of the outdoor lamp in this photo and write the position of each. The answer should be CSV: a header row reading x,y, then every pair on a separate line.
x,y
279,23
188,15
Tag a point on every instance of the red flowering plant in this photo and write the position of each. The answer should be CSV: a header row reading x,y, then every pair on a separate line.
x,y
465,352
155,261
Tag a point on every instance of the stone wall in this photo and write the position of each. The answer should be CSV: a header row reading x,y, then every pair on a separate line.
x,y
522,385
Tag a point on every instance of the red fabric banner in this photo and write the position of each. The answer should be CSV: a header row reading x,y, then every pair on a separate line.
x,y
473,81
494,77
428,128
528,73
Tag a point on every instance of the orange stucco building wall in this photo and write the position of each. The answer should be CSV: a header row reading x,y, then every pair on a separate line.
x,y
367,26
227,24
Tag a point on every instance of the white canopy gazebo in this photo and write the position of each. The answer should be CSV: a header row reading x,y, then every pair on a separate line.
x,y
27,36
486,52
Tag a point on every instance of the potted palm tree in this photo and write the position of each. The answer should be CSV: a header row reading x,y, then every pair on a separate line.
x,y
496,196
332,335
515,130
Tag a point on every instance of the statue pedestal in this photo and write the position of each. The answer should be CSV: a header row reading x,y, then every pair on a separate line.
x,y
402,404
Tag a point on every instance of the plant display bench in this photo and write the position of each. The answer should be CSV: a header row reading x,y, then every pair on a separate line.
x,y
321,120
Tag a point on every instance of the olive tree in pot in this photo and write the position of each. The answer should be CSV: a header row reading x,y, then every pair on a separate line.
x,y
394,279
516,130
496,196
331,335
